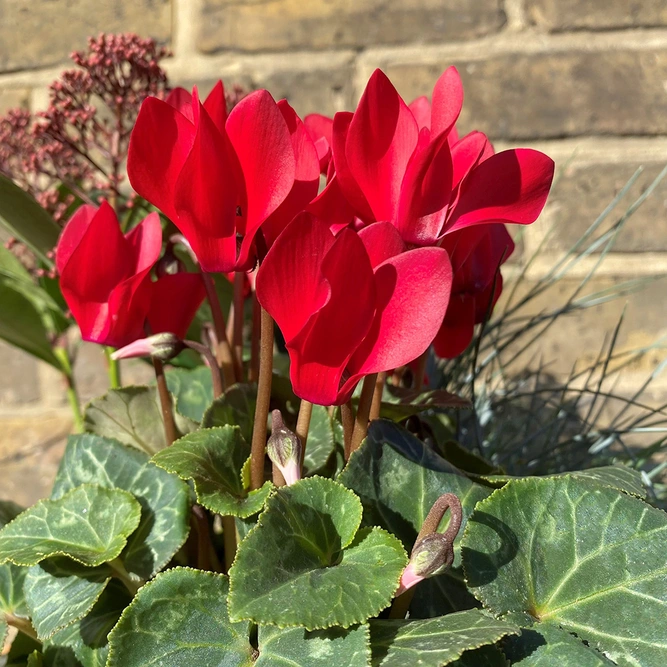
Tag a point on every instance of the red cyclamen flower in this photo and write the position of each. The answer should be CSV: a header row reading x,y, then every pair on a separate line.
x,y
476,254
105,279
352,304
404,164
217,176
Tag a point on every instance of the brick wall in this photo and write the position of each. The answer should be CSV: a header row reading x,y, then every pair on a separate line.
x,y
583,80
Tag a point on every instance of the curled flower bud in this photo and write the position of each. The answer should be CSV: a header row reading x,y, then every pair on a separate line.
x,y
162,346
284,449
430,555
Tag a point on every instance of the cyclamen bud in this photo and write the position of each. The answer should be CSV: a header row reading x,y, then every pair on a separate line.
x,y
162,346
430,555
284,449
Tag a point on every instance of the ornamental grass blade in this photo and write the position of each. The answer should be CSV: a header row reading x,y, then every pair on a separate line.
x,y
213,458
89,524
305,564
572,553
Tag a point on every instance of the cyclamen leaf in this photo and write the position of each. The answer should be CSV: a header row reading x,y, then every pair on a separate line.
x,y
548,644
305,563
132,415
236,407
180,618
573,553
12,599
89,524
321,648
85,643
321,443
398,478
486,656
59,592
436,641
213,459
616,477
192,390
164,499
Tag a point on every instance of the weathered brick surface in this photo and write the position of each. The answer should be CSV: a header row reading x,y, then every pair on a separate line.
x,y
249,25
35,33
551,95
596,14
583,192
19,377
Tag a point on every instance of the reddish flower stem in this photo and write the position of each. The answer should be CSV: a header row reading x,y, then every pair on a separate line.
x,y
363,411
258,447
205,351
253,371
170,432
224,351
347,419
418,377
239,284
229,540
303,424
377,396
278,478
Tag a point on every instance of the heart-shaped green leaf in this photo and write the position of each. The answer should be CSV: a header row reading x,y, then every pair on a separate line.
x,y
89,524
85,643
548,644
12,599
571,552
164,499
133,416
236,407
436,641
180,618
192,390
59,592
306,564
213,459
297,647
398,478
616,477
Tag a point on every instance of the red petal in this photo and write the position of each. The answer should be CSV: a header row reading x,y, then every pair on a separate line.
x,y
382,136
216,106
458,328
346,181
145,241
426,191
321,351
206,195
412,294
262,142
468,153
161,141
307,176
447,102
421,110
175,300
289,284
181,100
320,129
332,207
72,234
381,241
511,186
